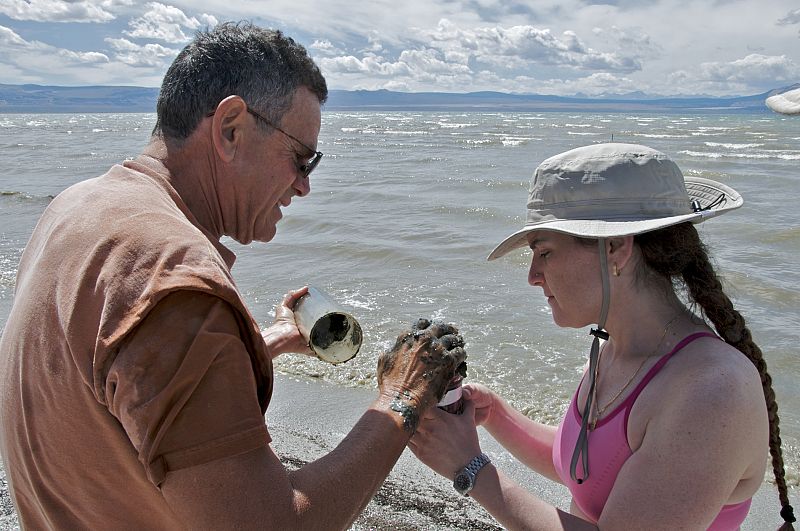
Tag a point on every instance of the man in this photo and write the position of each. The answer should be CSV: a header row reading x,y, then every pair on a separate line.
x,y
133,379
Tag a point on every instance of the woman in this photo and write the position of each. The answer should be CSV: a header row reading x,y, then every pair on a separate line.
x,y
669,427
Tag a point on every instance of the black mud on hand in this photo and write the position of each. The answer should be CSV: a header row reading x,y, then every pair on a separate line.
x,y
418,368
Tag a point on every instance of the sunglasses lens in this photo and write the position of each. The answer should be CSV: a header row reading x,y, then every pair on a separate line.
x,y
311,164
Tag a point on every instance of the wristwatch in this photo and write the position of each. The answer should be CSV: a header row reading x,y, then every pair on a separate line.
x,y
465,480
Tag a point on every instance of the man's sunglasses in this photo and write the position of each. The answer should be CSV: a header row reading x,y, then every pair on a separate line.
x,y
306,168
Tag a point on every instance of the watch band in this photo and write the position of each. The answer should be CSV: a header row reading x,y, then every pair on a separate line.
x,y
477,463
465,479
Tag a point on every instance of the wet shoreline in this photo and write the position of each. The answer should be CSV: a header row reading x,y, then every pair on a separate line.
x,y
303,428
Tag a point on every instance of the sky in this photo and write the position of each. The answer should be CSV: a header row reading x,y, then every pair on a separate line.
x,y
558,47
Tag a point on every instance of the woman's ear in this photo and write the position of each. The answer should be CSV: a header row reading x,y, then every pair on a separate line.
x,y
620,251
227,127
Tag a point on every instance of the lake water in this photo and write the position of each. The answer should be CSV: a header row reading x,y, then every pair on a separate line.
x,y
405,206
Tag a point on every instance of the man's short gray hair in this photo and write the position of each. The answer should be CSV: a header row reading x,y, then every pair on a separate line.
x,y
263,66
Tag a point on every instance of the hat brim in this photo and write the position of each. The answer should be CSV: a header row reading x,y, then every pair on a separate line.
x,y
705,191
785,103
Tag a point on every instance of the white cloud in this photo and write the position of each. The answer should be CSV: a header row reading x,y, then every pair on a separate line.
x,y
636,42
523,47
430,62
58,10
8,71
33,61
325,47
754,67
166,23
515,59
371,64
792,17
600,83
754,72
374,40
17,51
148,55
548,46
396,85
597,84
9,37
413,70
40,63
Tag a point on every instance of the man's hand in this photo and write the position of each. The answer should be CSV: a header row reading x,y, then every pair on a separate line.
x,y
415,372
283,335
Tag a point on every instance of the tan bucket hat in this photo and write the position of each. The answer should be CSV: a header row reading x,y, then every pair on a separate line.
x,y
613,189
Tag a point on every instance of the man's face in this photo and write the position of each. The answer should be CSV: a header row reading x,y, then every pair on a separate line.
x,y
269,173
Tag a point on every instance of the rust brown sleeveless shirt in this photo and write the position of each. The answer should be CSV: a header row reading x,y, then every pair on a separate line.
x,y
90,422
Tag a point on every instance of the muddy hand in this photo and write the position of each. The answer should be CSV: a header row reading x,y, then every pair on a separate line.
x,y
415,372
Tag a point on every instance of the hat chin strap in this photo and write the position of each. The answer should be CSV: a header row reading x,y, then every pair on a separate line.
x,y
582,444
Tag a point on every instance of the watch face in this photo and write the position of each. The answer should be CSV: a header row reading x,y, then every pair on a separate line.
x,y
462,482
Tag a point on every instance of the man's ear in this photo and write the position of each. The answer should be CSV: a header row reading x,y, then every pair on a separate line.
x,y
620,250
227,127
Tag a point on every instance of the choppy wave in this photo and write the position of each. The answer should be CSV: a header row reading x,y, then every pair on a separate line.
x,y
409,133
449,125
705,133
515,141
26,145
732,146
24,196
759,155
661,135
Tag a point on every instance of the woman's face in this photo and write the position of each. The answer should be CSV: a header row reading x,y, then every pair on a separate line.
x,y
568,272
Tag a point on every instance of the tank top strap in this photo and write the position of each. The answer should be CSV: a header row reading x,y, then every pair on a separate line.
x,y
659,365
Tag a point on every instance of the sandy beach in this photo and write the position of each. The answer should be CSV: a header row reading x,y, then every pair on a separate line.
x,y
307,418
304,427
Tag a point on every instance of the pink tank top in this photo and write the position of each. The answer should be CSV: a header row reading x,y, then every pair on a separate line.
x,y
609,449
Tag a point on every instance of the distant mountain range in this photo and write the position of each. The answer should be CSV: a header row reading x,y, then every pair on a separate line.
x,y
44,99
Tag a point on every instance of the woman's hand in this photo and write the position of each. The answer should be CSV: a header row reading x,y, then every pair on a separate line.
x,y
446,442
283,335
483,399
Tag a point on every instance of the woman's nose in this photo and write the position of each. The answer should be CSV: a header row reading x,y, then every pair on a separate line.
x,y
534,275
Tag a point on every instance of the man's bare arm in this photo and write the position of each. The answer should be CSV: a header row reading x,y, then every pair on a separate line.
x,y
254,490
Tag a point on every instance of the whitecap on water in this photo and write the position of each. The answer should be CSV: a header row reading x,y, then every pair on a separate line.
x,y
653,135
732,146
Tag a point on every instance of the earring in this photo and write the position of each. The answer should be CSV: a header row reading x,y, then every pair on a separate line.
x,y
616,270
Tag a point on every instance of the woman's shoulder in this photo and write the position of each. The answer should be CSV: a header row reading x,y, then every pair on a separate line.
x,y
709,359
710,377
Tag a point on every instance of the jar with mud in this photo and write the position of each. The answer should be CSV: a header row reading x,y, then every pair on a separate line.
x,y
453,400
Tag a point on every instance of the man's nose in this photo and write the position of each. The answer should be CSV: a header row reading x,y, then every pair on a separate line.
x,y
302,185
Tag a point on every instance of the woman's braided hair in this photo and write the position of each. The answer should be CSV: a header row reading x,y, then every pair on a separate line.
x,y
677,254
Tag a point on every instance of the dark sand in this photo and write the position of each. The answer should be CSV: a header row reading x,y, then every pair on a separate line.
x,y
307,418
